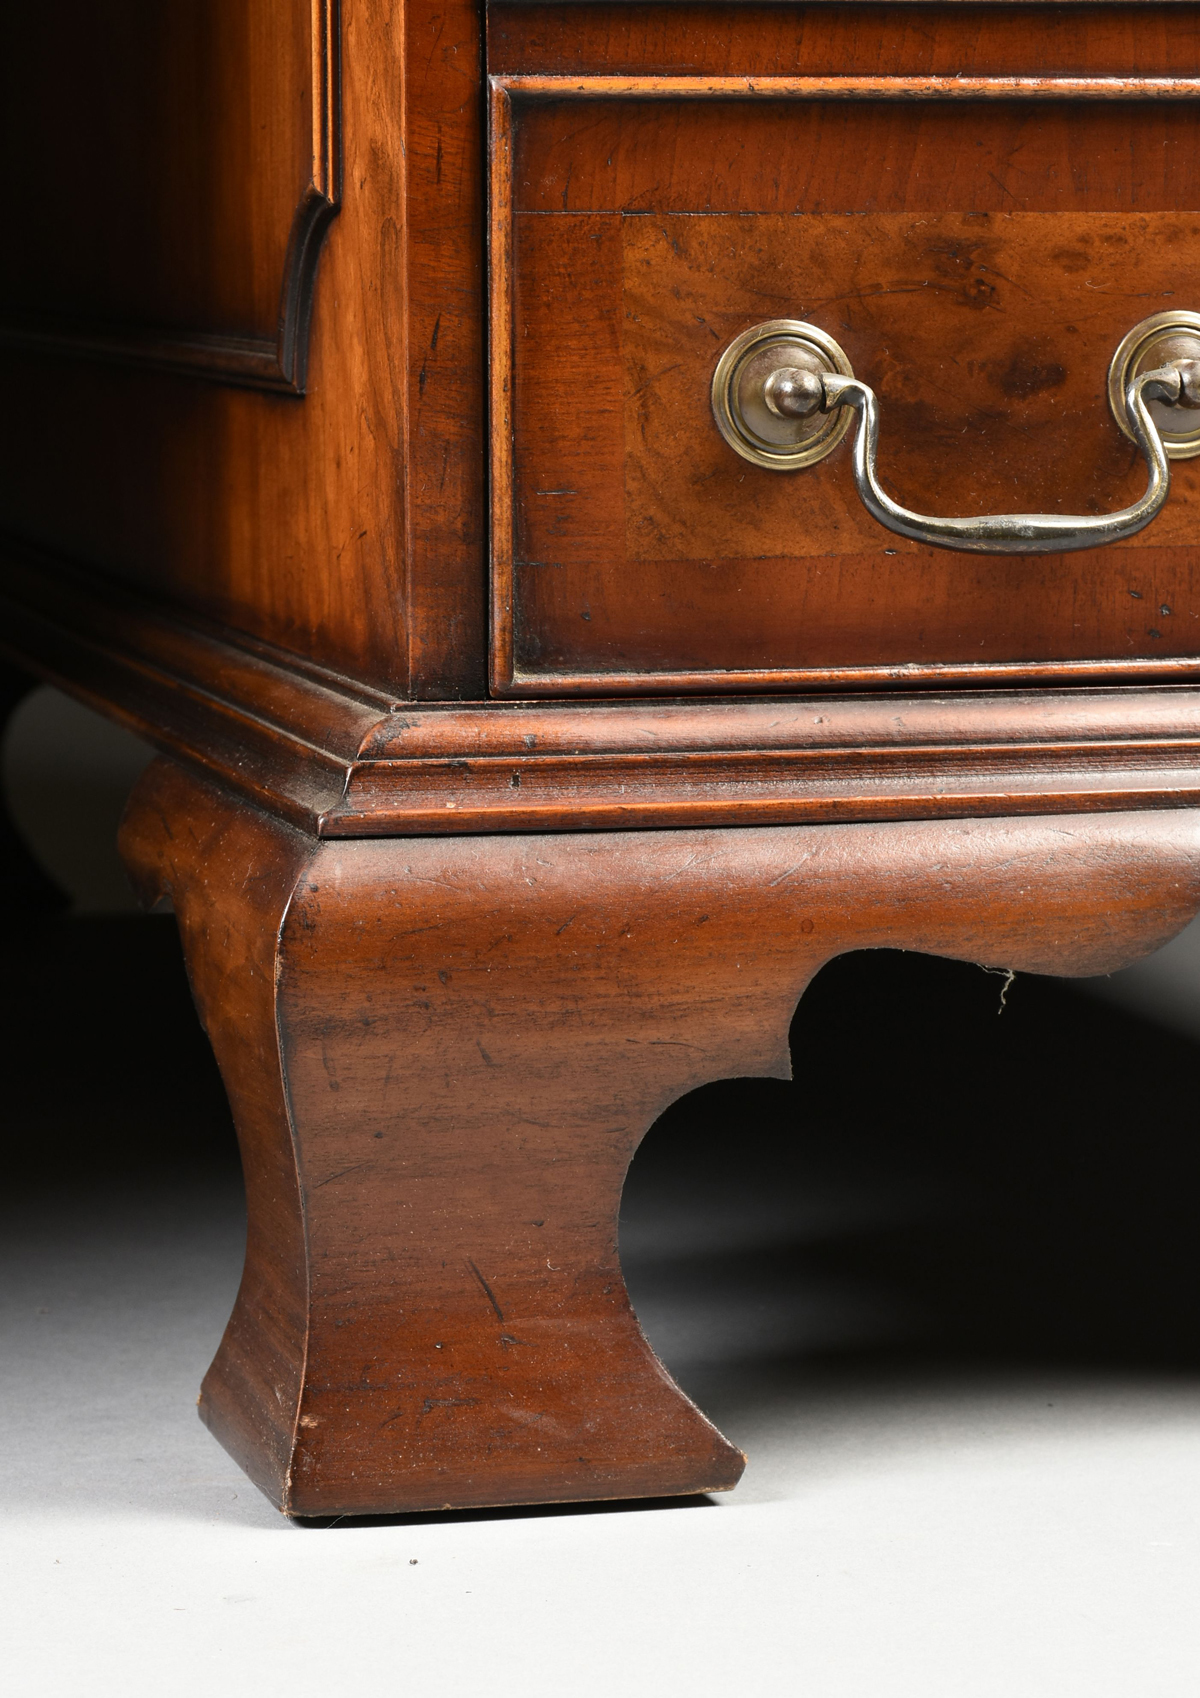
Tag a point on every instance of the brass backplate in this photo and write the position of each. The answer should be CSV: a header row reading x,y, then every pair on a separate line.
x,y
1156,341
743,417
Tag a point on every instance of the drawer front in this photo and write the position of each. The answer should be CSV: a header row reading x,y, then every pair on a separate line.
x,y
978,248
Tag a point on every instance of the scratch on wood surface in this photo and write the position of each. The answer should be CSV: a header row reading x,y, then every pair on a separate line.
x,y
487,1290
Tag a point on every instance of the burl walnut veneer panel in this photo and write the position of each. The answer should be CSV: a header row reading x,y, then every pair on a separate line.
x,y
978,259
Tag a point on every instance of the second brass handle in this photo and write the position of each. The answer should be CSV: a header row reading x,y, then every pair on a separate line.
x,y
1022,533
796,394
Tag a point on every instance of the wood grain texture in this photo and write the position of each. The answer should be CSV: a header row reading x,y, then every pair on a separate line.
x,y
636,552
455,956
237,890
346,527
855,38
473,1034
350,530
219,130
337,759
890,87
982,408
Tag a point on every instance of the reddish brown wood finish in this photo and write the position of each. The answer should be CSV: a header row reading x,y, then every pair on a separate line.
x,y
442,1054
910,38
347,526
339,760
218,129
442,1043
1011,231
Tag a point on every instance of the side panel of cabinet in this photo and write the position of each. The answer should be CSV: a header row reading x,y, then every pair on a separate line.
x,y
241,330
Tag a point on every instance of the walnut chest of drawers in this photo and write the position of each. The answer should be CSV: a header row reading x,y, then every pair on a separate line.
x,y
601,508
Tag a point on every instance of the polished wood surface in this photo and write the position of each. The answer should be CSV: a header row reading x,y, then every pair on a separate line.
x,y
441,1055
455,952
348,527
852,38
338,759
643,223
219,130
345,526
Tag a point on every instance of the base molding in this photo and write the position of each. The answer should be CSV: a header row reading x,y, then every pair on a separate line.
x,y
342,759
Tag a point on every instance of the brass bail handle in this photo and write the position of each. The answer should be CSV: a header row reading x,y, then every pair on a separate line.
x,y
784,395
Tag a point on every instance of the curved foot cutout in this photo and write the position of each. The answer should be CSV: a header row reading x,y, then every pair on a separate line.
x,y
441,1054
938,1179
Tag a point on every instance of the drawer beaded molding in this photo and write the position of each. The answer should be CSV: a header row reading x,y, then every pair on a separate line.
x,y
618,305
